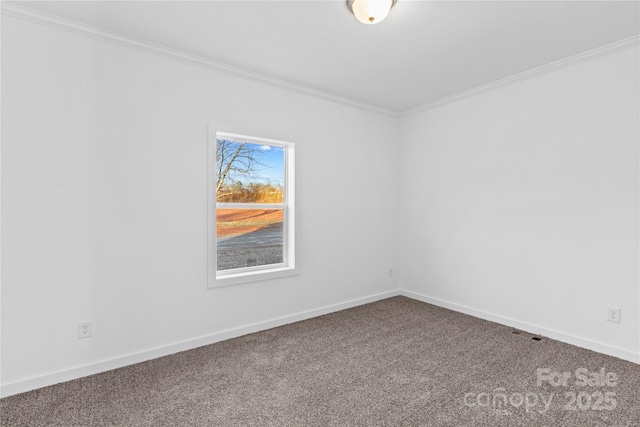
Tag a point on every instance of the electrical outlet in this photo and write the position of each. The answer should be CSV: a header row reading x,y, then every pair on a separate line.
x,y
390,272
84,329
613,314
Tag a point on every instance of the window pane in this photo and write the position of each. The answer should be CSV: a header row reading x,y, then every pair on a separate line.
x,y
249,172
249,237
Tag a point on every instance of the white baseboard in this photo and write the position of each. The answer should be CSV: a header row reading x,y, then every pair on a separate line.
x,y
153,353
599,347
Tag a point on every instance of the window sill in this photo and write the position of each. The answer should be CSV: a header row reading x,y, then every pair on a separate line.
x,y
253,276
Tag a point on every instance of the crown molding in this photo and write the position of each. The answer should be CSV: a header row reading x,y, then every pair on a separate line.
x,y
31,15
534,72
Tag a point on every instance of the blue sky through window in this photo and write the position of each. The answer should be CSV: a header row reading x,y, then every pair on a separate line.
x,y
270,166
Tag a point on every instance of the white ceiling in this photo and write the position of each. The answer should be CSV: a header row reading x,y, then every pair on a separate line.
x,y
424,50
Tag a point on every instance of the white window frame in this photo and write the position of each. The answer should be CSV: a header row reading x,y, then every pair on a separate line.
x,y
263,272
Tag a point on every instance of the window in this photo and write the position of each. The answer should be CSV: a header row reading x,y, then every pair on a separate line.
x,y
252,209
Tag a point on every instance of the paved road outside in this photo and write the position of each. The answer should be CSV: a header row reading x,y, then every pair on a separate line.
x,y
261,247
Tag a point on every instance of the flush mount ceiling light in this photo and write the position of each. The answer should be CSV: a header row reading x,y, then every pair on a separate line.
x,y
370,11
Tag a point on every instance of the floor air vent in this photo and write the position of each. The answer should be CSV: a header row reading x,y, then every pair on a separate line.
x,y
527,335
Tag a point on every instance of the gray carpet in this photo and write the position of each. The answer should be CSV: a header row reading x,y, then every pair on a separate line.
x,y
396,362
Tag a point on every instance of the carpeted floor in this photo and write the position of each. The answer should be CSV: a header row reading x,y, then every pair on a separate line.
x,y
396,362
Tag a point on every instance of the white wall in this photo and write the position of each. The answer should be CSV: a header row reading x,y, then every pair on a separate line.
x,y
105,203
521,204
